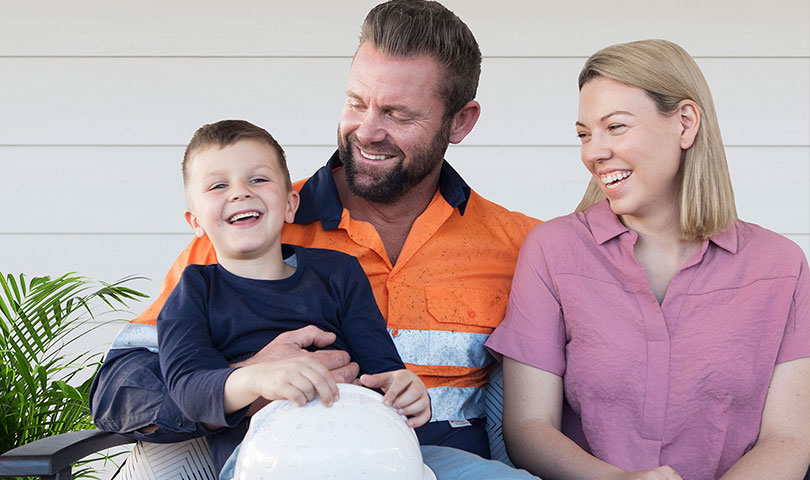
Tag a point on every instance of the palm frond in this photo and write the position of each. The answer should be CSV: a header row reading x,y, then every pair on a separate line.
x,y
40,394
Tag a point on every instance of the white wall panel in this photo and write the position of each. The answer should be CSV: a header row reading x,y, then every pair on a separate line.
x,y
313,27
139,189
149,101
100,257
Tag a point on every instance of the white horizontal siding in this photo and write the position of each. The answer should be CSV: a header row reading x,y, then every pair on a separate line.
x,y
326,28
160,101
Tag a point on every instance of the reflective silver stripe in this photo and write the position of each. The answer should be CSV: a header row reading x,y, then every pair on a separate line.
x,y
453,403
442,348
137,335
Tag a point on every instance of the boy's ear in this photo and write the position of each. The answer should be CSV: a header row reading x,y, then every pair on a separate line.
x,y
293,199
191,219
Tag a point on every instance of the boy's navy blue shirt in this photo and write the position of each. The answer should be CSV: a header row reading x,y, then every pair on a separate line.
x,y
214,318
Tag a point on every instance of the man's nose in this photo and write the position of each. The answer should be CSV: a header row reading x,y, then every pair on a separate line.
x,y
370,130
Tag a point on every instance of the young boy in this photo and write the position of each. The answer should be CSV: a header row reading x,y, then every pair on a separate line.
x,y
239,193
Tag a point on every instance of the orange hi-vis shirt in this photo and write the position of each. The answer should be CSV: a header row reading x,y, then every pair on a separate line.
x,y
445,295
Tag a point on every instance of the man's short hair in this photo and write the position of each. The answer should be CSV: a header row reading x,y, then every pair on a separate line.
x,y
227,132
408,28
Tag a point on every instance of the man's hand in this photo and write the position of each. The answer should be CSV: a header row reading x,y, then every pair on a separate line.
x,y
405,392
292,344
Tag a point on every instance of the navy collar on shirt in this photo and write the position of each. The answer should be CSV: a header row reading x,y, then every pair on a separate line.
x,y
320,200
606,225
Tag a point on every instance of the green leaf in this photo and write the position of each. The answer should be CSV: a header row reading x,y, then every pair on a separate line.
x,y
39,318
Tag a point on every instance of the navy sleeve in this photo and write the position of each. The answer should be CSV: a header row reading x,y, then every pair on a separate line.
x,y
194,370
128,393
363,325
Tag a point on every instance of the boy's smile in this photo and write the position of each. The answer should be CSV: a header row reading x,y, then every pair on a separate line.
x,y
238,196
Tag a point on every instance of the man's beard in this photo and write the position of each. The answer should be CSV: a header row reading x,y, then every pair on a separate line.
x,y
390,186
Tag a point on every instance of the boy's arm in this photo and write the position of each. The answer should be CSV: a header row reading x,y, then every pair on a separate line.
x,y
363,326
365,331
194,370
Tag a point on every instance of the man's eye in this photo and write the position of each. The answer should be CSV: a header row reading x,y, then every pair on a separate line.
x,y
355,105
399,118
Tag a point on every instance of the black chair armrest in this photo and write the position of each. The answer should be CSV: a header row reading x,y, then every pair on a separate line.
x,y
49,456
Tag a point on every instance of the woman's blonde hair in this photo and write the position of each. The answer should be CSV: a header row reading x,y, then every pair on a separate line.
x,y
669,75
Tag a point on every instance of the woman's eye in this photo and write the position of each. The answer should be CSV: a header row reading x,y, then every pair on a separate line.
x,y
615,126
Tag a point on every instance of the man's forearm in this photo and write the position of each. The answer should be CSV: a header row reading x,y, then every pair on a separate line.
x,y
128,396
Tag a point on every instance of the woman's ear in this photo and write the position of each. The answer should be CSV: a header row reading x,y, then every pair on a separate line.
x,y
689,118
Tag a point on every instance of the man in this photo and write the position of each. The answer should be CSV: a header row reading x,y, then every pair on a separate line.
x,y
439,257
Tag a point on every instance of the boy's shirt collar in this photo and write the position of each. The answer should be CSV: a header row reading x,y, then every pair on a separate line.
x,y
320,200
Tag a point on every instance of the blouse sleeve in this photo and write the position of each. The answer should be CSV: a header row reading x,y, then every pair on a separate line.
x,y
533,330
796,339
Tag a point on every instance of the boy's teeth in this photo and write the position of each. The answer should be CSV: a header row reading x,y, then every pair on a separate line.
x,y
240,216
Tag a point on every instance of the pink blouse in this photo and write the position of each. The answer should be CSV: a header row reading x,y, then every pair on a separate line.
x,y
680,384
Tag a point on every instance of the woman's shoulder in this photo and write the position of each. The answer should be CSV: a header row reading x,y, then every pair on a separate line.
x,y
558,228
764,245
755,237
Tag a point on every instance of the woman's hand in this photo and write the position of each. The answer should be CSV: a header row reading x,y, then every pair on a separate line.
x,y
658,473
404,391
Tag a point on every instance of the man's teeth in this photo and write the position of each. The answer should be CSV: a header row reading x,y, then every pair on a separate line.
x,y
373,157
615,177
240,216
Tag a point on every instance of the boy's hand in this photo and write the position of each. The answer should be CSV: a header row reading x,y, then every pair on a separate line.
x,y
297,379
404,391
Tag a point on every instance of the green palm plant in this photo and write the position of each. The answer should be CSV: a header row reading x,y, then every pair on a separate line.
x,y
41,391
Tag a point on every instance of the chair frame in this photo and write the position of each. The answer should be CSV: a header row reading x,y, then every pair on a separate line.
x,y
52,458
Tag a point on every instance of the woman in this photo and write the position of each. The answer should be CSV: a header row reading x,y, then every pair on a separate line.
x,y
651,334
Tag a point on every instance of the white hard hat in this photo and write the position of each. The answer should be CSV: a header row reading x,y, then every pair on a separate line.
x,y
356,438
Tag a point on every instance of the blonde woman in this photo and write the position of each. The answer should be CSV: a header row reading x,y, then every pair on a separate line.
x,y
652,334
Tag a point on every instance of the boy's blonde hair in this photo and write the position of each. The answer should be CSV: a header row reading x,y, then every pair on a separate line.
x,y
227,132
669,75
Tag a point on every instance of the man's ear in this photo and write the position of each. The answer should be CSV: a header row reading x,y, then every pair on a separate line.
x,y
191,219
464,121
293,200
689,118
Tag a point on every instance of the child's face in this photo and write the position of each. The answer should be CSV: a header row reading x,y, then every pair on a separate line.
x,y
237,195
